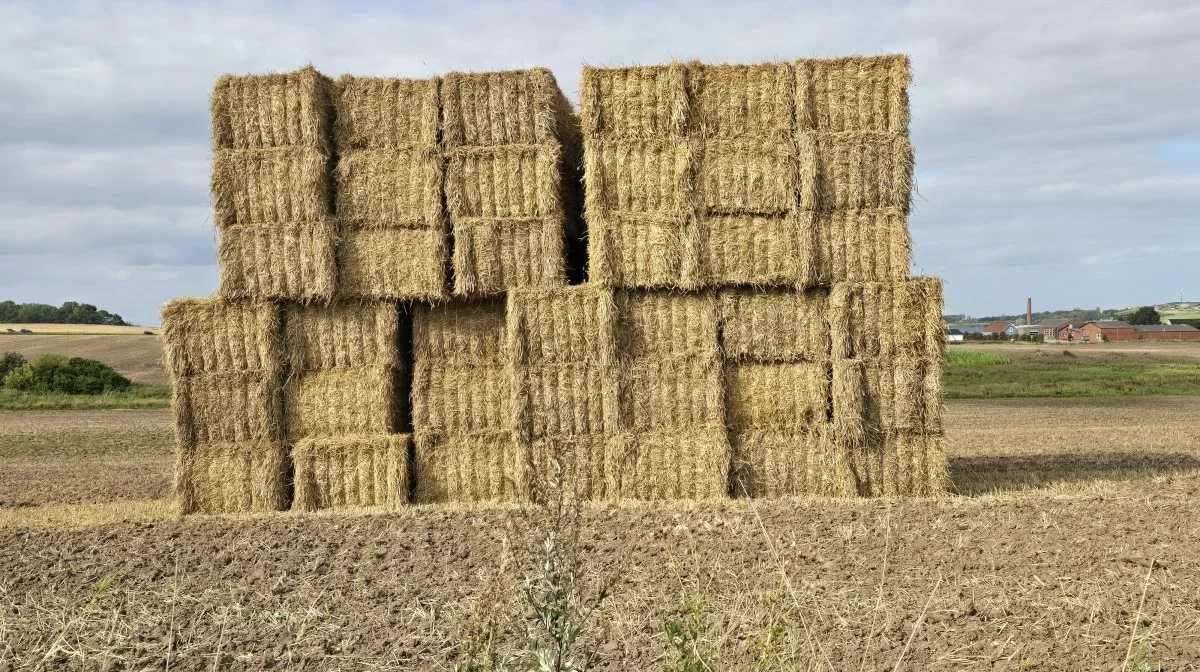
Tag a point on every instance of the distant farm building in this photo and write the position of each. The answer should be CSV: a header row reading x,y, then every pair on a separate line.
x,y
1027,330
1064,331
1107,330
1167,332
954,335
998,329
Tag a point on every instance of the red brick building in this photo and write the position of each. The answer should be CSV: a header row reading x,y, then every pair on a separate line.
x,y
1063,331
1107,330
1167,332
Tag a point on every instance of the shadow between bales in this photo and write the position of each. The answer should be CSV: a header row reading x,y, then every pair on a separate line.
x,y
988,474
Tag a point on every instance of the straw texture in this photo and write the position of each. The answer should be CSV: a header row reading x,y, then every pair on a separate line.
x,y
213,334
292,109
342,336
774,463
393,263
470,468
853,94
386,112
285,261
351,471
670,465
775,325
240,477
351,400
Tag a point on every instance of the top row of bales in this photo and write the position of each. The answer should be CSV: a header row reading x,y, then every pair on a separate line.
x,y
787,174
353,189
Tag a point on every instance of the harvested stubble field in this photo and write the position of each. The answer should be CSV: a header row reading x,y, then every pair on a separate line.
x,y
138,358
77,329
1082,556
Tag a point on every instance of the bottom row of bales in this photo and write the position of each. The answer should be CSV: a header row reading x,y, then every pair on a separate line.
x,y
605,394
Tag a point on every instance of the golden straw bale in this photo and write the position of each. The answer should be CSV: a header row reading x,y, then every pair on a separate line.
x,y
650,175
350,471
861,322
456,398
639,251
463,333
864,245
858,170
775,325
470,468
901,464
342,335
879,397
227,406
917,405
853,94
760,250
743,101
670,465
386,113
504,181
919,327
351,400
393,263
664,391
215,334
492,256
774,463
637,102
391,188
779,396
748,176
514,107
562,324
564,399
571,465
242,477
292,109
664,322
270,186
295,261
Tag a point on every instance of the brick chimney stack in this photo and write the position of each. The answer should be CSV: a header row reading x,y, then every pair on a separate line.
x,y
1029,311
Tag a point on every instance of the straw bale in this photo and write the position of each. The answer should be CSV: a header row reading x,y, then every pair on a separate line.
x,y
292,109
504,181
350,471
778,396
270,186
917,404
637,102
652,175
663,322
565,399
391,187
456,398
480,467
773,463
861,322
573,323
639,251
352,400
227,406
879,397
748,176
393,263
853,94
670,465
661,392
776,325
901,464
759,250
465,333
284,261
386,113
849,395
492,256
919,327
214,334
864,245
742,101
574,466
250,476
857,170
514,107
342,335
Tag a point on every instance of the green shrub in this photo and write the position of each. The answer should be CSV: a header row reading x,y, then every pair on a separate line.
x,y
8,362
75,375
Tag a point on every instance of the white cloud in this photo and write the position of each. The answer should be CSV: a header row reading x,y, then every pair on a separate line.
x,y
1039,127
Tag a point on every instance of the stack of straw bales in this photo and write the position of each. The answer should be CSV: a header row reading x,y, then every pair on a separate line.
x,y
399,309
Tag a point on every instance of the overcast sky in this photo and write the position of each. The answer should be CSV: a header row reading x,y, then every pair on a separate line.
x,y
1058,143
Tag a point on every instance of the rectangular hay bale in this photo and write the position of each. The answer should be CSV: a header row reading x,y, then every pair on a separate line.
x,y
228,407
564,399
319,337
492,256
855,171
487,467
639,176
636,102
663,322
233,477
901,464
759,250
214,334
391,188
513,107
333,402
776,325
296,261
748,176
777,396
386,113
743,101
864,246
463,333
351,471
661,392
643,251
573,466
505,181
670,465
461,398
270,186
774,463
854,94
292,109
393,263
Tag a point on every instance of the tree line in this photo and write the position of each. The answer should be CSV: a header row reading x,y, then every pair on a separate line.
x,y
70,312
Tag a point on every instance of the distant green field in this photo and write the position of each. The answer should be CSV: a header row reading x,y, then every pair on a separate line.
x,y
955,356
974,375
141,396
